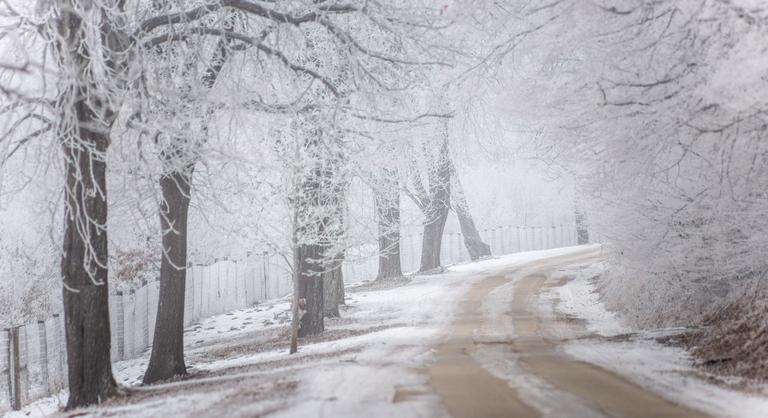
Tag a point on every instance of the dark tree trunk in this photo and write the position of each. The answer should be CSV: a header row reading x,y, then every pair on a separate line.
x,y
319,219
311,294
84,265
179,158
436,212
295,276
310,248
472,240
85,251
167,359
388,213
333,286
432,243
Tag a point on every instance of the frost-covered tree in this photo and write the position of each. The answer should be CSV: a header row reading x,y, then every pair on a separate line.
x,y
472,240
654,108
91,56
432,195
178,82
679,209
387,202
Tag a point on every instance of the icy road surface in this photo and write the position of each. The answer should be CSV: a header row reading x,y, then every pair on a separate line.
x,y
523,335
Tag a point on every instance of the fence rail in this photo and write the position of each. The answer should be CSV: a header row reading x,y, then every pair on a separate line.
x,y
33,356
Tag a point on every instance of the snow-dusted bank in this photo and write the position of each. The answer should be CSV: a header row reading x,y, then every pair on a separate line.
x,y
637,355
373,360
384,335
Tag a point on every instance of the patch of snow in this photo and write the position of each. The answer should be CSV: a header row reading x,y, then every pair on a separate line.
x,y
391,334
505,262
41,408
668,371
390,357
580,299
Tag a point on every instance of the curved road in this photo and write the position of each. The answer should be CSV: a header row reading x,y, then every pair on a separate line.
x,y
468,390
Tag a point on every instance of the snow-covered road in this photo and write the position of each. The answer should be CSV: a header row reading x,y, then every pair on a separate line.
x,y
520,335
558,384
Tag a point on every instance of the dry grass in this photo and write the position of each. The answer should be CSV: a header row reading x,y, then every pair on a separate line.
x,y
734,340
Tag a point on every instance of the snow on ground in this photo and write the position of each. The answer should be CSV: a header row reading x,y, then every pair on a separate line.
x,y
427,304
207,331
503,362
240,366
578,298
40,408
202,335
638,356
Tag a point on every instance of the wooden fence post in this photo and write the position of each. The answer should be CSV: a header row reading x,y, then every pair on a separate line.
x,y
145,315
14,368
190,278
8,357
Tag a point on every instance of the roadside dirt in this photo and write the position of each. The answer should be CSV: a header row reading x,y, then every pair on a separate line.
x,y
734,342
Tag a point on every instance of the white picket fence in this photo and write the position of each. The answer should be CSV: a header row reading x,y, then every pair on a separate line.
x,y
502,240
38,367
